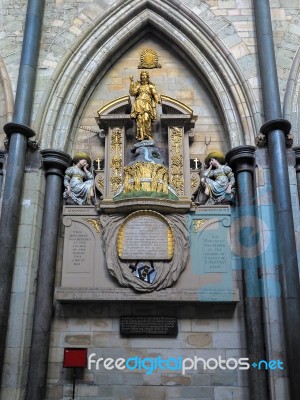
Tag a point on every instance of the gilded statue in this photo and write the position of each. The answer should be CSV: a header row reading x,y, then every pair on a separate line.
x,y
78,181
218,183
144,108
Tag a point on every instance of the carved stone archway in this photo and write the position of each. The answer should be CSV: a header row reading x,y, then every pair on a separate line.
x,y
106,42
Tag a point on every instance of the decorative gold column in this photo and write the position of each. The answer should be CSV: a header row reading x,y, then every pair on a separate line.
x,y
176,170
115,160
179,120
114,119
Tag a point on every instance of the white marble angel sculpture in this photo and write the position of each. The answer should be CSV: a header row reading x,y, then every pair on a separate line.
x,y
78,181
218,183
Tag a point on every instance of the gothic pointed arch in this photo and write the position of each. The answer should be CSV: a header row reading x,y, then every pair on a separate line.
x,y
291,103
188,35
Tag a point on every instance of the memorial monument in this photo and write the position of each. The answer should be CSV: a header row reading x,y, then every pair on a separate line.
x,y
146,238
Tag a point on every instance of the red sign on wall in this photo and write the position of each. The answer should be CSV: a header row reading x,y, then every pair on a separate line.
x,y
75,358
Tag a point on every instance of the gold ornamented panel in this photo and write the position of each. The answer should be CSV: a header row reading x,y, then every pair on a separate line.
x,y
147,177
197,223
95,224
100,181
149,59
116,159
176,159
195,181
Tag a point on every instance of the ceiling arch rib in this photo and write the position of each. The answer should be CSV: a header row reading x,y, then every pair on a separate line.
x,y
107,41
6,100
291,104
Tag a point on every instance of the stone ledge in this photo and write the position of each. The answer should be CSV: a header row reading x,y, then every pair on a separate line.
x,y
66,294
181,206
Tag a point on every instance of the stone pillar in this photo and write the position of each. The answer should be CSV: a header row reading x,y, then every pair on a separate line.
x,y
297,166
275,128
242,161
55,163
9,222
18,132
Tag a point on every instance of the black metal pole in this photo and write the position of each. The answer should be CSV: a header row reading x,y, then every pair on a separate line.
x,y
297,166
275,129
2,160
242,160
55,163
18,132
74,380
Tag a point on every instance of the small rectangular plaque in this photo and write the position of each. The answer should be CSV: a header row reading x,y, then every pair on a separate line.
x,y
148,326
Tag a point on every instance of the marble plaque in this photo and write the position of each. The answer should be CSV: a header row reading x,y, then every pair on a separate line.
x,y
215,252
86,278
211,254
145,235
82,250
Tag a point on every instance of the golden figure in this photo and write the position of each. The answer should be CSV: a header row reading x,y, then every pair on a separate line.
x,y
144,108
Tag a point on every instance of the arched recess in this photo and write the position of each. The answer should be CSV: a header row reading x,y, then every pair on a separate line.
x,y
291,103
6,100
188,35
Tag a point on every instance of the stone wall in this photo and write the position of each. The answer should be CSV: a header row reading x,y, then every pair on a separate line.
x,y
203,330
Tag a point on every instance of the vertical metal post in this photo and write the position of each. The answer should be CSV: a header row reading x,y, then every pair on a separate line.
x,y
2,160
275,128
18,132
297,166
242,160
55,163
74,380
